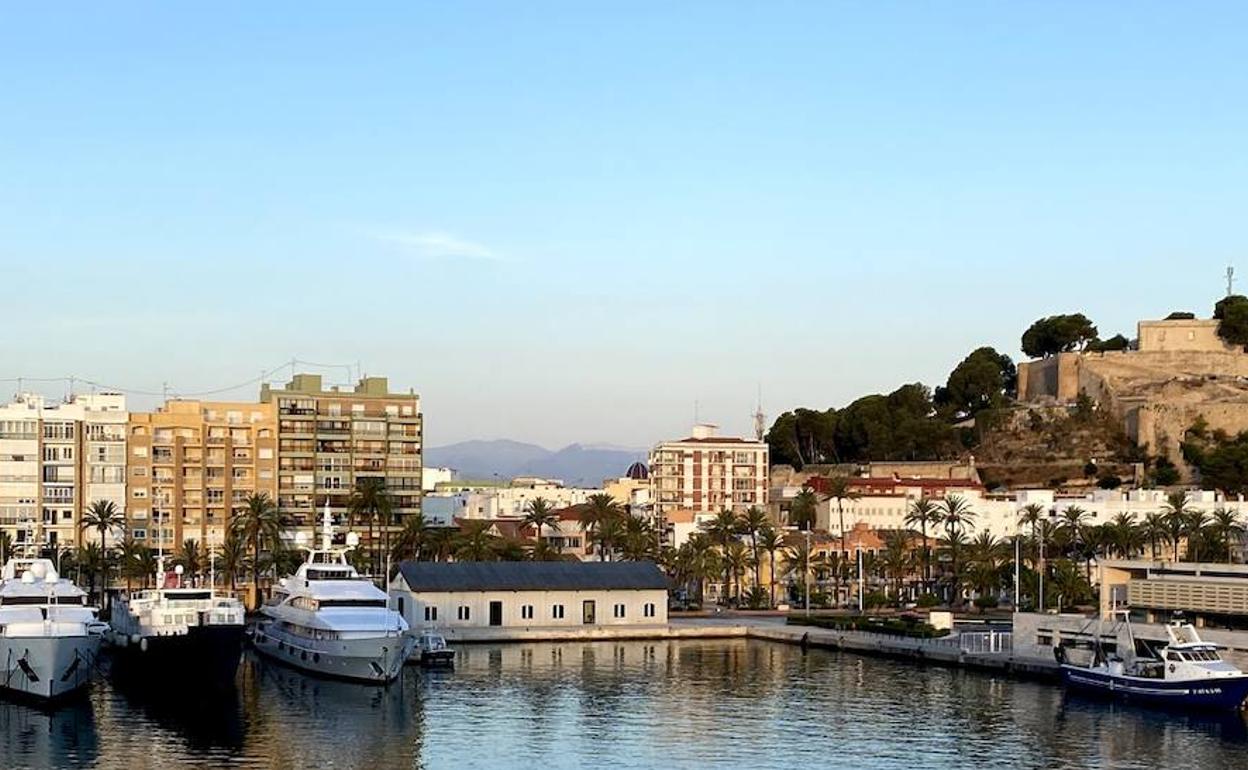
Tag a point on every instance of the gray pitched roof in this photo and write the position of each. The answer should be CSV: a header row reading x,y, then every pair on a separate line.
x,y
531,575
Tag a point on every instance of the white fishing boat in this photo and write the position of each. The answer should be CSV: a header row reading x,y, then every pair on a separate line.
x,y
49,637
329,620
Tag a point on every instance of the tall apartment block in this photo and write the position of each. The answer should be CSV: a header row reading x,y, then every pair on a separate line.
x,y
330,440
192,464
706,473
57,459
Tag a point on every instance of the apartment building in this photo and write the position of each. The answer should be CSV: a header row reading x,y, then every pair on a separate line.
x,y
192,464
55,460
706,473
331,439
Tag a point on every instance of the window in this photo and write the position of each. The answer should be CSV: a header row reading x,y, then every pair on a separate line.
x,y
526,612
556,612
464,613
617,611
648,610
140,451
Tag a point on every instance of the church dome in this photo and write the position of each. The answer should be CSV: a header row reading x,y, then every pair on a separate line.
x,y
637,471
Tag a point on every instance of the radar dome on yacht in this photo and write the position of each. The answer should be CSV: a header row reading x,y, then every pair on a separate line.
x,y
353,539
28,576
39,569
51,576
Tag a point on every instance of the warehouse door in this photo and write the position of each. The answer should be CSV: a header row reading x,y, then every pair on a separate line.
x,y
496,613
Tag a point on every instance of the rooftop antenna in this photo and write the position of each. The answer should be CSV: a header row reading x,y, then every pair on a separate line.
x,y
1230,280
760,419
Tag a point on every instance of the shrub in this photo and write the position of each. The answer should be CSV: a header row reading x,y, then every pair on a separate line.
x,y
986,602
903,626
1109,481
928,600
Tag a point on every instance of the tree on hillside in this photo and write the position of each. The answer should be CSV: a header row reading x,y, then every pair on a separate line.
x,y
983,380
1058,334
1116,342
1232,315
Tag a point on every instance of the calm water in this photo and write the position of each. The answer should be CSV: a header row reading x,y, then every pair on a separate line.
x,y
631,705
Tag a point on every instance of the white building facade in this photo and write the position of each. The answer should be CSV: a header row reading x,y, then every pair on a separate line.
x,y
462,596
58,459
706,473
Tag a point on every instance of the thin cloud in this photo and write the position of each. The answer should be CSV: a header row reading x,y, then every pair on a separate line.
x,y
438,245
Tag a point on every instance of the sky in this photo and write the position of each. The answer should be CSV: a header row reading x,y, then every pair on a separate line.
x,y
589,222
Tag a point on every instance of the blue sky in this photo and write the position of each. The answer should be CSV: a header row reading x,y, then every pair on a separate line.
x,y
572,221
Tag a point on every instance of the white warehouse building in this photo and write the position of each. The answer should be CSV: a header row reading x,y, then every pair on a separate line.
x,y
460,596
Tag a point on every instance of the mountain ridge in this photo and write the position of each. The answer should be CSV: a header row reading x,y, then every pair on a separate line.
x,y
576,464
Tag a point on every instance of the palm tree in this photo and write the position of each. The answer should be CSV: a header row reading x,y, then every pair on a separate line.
x,y
190,557
1194,528
540,514
1154,528
986,558
838,489
752,522
440,542
475,542
1227,529
770,541
797,562
723,530
410,541
956,517
257,524
896,559
1176,511
1069,584
103,516
146,564
1125,535
736,561
922,513
600,508
371,502
232,557
91,559
639,542
803,509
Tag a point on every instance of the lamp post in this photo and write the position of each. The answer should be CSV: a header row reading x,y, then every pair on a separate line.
x,y
806,573
860,579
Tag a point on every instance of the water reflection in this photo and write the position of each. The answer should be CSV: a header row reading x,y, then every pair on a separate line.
x,y
64,736
684,704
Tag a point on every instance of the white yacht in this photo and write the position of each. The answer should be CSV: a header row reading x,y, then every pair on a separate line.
x,y
195,631
329,620
49,637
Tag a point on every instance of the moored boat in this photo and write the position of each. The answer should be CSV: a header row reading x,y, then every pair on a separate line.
x,y
1184,673
49,637
431,651
329,620
189,631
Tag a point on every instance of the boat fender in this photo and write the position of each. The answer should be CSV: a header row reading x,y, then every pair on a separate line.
x,y
134,638
143,645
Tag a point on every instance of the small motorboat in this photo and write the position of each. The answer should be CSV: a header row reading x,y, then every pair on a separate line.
x,y
433,652
1184,673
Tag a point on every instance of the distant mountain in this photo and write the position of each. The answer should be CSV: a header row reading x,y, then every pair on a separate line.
x,y
576,464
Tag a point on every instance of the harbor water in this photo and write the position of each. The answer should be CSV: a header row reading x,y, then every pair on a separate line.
x,y
668,704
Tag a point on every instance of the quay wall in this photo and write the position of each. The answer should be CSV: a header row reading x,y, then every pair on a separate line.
x,y
945,651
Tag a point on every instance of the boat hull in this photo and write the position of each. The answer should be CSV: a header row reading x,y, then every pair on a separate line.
x,y
209,653
47,667
377,660
1213,694
436,658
